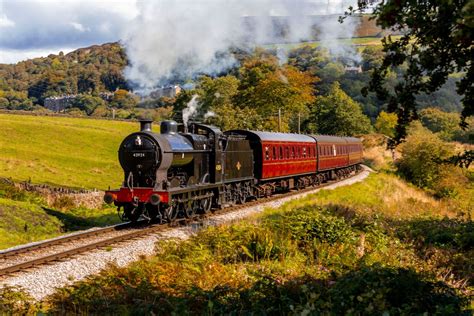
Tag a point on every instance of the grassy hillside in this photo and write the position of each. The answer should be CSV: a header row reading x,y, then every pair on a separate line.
x,y
72,152
24,217
376,247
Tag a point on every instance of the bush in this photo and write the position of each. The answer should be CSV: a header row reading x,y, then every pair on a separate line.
x,y
422,154
310,224
13,301
451,181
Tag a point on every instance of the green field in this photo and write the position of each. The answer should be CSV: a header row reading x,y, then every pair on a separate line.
x,y
359,42
61,151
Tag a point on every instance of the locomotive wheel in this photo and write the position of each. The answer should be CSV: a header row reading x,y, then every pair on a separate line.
x,y
171,212
205,205
132,213
152,212
189,209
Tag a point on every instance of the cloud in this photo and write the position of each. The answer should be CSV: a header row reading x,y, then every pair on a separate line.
x,y
10,56
5,22
45,25
79,27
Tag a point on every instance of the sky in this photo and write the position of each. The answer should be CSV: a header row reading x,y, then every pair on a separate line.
x,y
35,28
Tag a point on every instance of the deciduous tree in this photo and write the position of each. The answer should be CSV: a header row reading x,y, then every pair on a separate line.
x,y
337,114
437,42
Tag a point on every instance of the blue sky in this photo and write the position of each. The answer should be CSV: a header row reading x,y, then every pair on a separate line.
x,y
33,28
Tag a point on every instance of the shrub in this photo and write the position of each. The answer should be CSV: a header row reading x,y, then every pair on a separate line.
x,y
451,181
308,224
422,154
14,301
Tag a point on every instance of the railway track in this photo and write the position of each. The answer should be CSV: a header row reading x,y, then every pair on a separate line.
x,y
44,252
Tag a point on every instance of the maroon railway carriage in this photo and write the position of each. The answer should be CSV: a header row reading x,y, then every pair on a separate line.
x,y
280,155
332,152
355,150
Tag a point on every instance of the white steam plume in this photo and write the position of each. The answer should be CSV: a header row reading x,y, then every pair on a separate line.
x,y
176,39
191,109
209,114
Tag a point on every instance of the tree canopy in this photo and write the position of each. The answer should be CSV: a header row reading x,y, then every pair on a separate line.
x,y
437,43
337,114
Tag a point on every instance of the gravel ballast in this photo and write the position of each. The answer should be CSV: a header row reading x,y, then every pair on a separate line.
x,y
42,281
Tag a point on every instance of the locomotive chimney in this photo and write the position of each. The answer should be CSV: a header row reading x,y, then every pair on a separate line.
x,y
168,127
145,125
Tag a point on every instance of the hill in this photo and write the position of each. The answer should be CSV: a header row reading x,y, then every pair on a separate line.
x,y
93,69
61,151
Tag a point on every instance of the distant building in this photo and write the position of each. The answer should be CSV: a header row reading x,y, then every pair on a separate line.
x,y
354,70
106,96
169,92
59,103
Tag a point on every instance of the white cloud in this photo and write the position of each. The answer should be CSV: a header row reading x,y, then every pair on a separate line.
x,y
79,27
10,56
5,22
48,25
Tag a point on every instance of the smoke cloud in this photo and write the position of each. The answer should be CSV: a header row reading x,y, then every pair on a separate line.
x,y
191,109
173,40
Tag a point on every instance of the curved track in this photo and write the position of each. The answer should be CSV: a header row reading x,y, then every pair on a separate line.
x,y
10,259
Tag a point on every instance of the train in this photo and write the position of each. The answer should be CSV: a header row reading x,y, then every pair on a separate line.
x,y
190,170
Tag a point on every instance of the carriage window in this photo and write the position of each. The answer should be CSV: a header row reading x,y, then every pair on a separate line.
x,y
281,152
304,152
274,152
292,152
267,153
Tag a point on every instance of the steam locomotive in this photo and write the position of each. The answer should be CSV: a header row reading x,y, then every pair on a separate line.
x,y
180,174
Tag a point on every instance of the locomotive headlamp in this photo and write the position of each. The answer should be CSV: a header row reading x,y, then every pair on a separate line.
x,y
155,199
108,198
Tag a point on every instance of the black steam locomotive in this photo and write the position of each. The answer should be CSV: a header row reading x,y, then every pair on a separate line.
x,y
179,174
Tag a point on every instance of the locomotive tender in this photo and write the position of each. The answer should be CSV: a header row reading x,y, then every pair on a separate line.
x,y
180,174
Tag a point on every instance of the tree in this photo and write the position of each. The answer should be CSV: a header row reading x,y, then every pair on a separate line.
x,y
88,103
386,123
337,114
437,42
124,100
446,125
267,87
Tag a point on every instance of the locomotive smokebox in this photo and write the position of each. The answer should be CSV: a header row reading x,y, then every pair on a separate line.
x,y
145,125
169,127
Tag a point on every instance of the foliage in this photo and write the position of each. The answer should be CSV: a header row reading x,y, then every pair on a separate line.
x,y
436,42
268,88
88,103
84,71
338,114
386,123
446,125
14,301
422,159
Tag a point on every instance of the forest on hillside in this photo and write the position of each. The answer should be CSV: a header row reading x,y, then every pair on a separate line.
x,y
304,88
